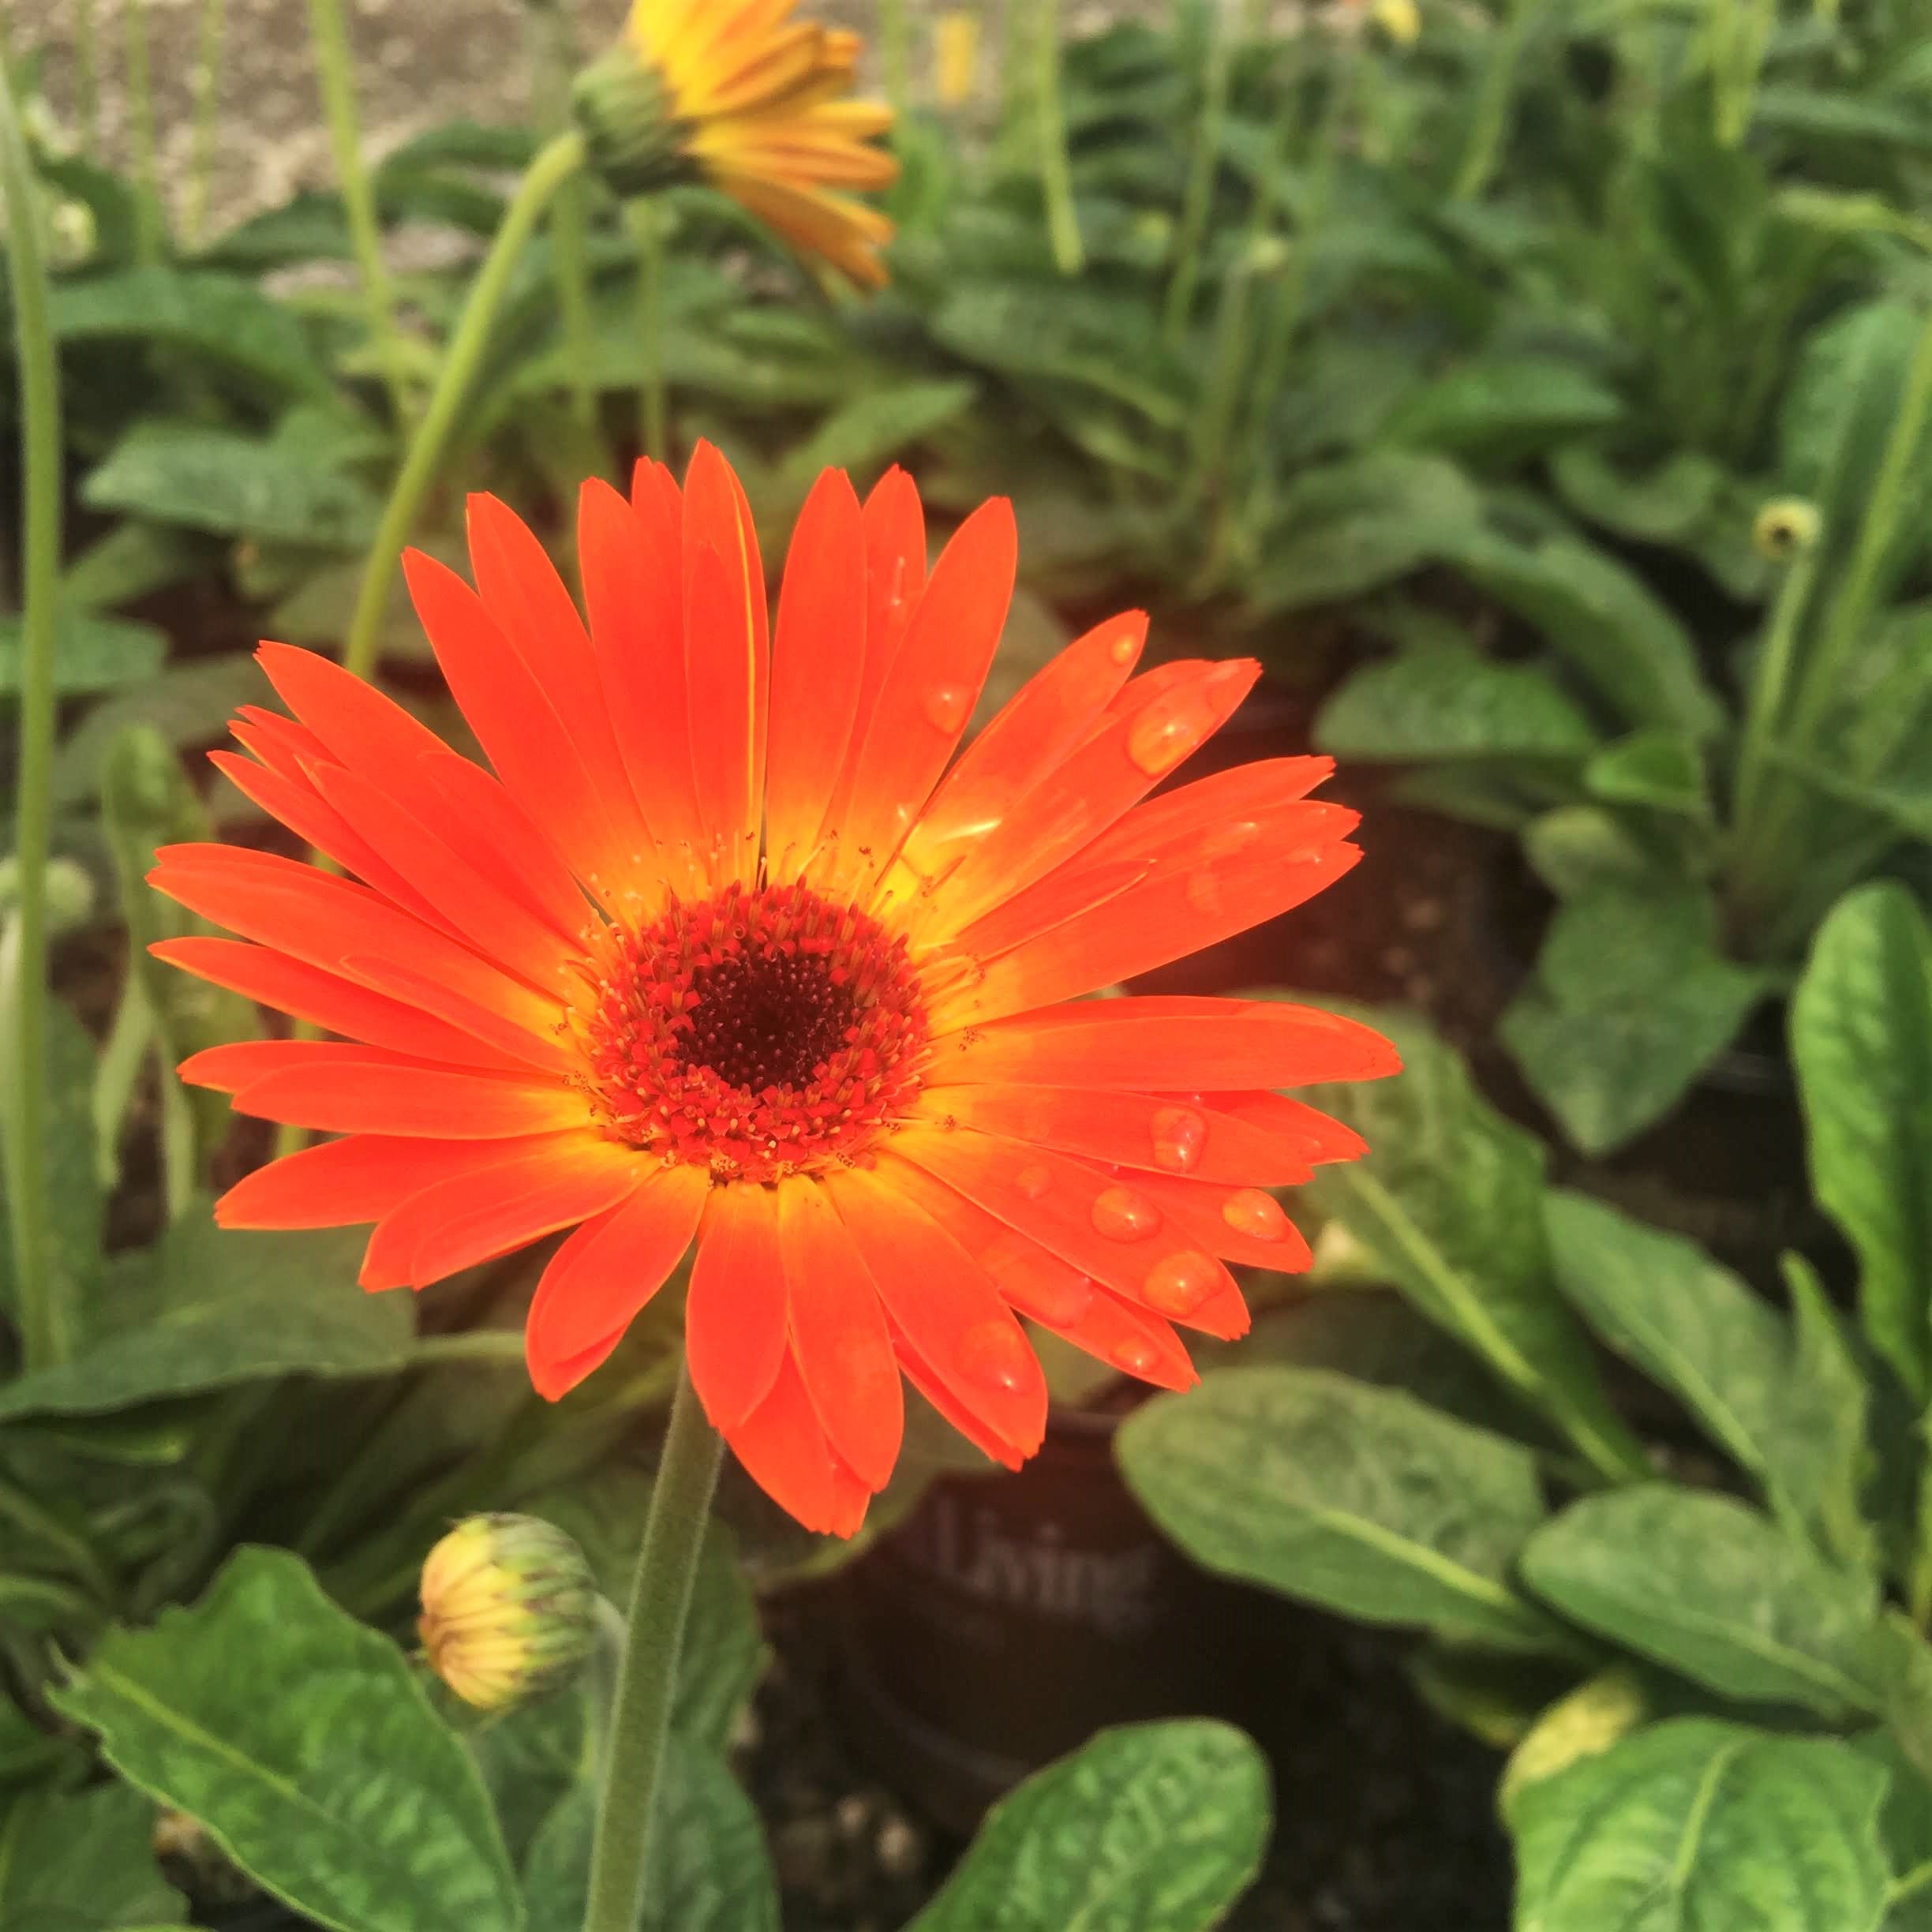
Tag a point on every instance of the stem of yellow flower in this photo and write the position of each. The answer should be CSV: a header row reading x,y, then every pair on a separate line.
x,y
207,100
45,1338
554,165
150,217
1056,171
335,70
647,226
640,1717
895,55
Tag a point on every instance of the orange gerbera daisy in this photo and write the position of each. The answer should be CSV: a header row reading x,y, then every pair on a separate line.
x,y
724,954
737,92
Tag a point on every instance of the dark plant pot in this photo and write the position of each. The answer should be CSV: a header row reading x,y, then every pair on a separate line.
x,y
1010,1617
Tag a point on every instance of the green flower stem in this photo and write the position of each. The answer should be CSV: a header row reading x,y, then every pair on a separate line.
x,y
1056,172
555,165
570,233
151,229
1764,705
44,1336
206,103
1489,125
647,226
895,53
1202,160
647,1677
330,39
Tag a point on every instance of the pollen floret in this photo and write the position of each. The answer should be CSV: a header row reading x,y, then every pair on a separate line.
x,y
761,1032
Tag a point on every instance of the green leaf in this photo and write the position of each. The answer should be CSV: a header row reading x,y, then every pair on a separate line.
x,y
707,1870
1704,1584
878,424
1448,1203
1663,504
1696,1826
213,318
1150,1828
212,1308
1362,1499
1577,850
1861,1038
231,484
1792,1417
88,1856
1661,769
1452,703
1905,1826
1601,616
1347,527
1503,407
91,653
129,561
306,1744
1631,1001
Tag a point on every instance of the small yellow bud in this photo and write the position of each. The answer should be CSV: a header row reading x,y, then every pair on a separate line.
x,y
1401,20
509,1610
1785,528
956,56
1585,1723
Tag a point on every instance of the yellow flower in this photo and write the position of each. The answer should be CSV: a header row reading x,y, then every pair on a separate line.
x,y
509,1610
734,92
1400,20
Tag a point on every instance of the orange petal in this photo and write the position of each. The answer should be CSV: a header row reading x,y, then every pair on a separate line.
x,y
947,1307
839,1336
1149,1132
1062,1203
361,1178
785,1451
1155,725
1172,1043
734,1312
272,978
1239,1224
1316,1137
932,685
490,1211
1044,721
817,662
606,1273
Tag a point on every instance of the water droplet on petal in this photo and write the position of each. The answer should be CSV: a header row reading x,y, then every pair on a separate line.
x,y
1253,1212
1174,722
1124,649
1206,894
946,706
1136,1354
1033,1181
994,1353
1225,841
1178,1283
1178,1134
1124,1213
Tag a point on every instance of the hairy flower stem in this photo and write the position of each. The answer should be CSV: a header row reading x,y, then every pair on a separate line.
x,y
335,69
555,165
1056,171
640,1717
44,1336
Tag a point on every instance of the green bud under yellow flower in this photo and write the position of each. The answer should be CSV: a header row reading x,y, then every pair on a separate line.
x,y
1785,527
509,1610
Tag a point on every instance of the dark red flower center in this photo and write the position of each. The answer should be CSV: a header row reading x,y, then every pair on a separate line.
x,y
757,1033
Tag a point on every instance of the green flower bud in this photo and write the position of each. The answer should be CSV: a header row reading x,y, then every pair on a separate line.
x,y
1785,527
509,1610
69,892
625,115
